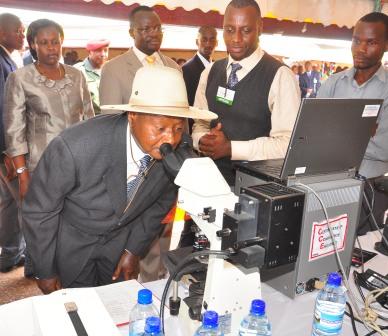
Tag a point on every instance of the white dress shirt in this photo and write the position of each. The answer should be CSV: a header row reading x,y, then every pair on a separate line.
x,y
142,57
204,60
134,154
283,102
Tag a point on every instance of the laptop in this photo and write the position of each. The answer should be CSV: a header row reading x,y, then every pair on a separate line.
x,y
329,135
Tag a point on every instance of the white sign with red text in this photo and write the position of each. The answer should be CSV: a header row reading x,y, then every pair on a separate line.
x,y
321,242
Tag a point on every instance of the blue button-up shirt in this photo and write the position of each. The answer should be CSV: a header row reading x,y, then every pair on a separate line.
x,y
343,85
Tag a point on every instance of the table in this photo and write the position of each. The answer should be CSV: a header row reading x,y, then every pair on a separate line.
x,y
288,316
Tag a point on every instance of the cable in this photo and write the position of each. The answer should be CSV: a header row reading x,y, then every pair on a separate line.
x,y
178,268
362,254
370,315
352,319
374,331
357,280
374,220
366,219
346,281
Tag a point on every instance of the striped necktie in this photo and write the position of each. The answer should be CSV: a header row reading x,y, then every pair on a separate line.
x,y
133,185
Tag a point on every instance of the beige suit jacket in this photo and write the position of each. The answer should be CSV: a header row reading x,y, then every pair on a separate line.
x,y
117,78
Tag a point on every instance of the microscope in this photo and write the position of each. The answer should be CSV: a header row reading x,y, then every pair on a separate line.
x,y
259,229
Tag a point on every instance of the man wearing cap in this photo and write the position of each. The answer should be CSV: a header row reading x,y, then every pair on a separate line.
x,y
117,74
91,68
100,191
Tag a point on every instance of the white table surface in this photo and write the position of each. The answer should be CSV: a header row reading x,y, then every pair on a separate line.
x,y
287,316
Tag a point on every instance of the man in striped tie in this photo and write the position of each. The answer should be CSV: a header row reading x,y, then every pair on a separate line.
x,y
99,194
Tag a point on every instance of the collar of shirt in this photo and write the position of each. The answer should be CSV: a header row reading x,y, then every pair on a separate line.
x,y
89,67
142,56
10,55
204,60
247,63
380,74
134,152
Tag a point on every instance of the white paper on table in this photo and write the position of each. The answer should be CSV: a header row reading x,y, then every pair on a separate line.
x,y
51,317
119,299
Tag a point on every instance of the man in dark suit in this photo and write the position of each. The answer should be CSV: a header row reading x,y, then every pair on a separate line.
x,y
100,191
192,69
309,81
11,239
116,86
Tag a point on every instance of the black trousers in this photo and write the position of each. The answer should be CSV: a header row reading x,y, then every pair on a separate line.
x,y
379,206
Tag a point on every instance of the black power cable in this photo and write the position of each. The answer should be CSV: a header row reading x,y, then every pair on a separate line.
x,y
352,318
374,331
179,267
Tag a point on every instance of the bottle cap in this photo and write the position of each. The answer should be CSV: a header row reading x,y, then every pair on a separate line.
x,y
258,307
334,279
152,325
144,296
210,319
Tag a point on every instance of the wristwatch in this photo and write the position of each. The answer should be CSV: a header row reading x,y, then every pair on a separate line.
x,y
20,170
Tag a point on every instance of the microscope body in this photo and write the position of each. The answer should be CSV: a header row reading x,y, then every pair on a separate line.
x,y
230,222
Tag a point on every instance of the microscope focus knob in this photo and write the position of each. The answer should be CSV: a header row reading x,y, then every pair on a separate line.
x,y
223,233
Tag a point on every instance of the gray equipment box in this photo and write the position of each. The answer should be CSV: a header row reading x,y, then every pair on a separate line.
x,y
342,196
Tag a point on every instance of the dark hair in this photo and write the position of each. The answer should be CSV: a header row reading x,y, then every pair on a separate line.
x,y
35,27
7,18
245,3
202,29
138,10
377,17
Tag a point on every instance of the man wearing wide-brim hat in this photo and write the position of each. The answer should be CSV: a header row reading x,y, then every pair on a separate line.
x,y
100,192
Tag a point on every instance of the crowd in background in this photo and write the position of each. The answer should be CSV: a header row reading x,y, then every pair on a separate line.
x,y
255,96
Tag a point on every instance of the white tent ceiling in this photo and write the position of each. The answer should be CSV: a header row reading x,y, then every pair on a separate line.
x,y
340,12
79,29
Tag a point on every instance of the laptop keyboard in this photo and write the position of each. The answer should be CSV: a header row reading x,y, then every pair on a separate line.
x,y
269,168
275,170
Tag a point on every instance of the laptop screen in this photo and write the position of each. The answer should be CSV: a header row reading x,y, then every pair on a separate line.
x,y
330,135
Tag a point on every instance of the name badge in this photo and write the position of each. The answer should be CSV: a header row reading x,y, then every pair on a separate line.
x,y
225,96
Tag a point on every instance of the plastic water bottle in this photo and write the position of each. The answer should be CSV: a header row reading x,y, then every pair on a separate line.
x,y
209,325
256,322
152,327
143,309
329,308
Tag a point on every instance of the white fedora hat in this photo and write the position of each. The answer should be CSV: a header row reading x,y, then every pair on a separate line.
x,y
161,90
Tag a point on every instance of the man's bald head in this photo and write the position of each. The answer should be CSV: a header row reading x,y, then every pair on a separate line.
x,y
11,32
7,19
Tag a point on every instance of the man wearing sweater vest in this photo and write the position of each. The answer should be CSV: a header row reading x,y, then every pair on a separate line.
x,y
255,96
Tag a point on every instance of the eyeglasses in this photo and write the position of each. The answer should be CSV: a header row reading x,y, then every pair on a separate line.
x,y
148,30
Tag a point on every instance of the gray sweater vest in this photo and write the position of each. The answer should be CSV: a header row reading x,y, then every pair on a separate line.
x,y
249,117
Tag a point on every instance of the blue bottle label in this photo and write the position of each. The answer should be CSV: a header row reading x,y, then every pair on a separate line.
x,y
328,316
